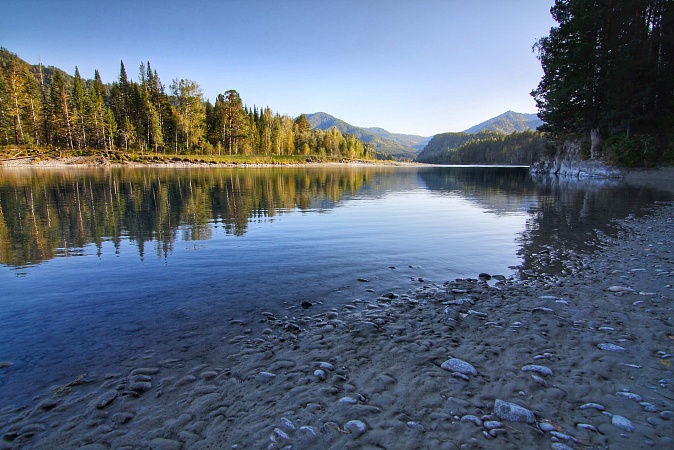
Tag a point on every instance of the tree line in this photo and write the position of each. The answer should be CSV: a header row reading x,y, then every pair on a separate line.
x,y
44,107
608,78
485,147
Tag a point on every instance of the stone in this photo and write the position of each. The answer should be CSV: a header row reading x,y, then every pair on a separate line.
x,y
620,289
596,406
164,444
513,412
630,395
611,347
306,305
460,366
106,399
493,424
472,419
623,423
355,426
542,370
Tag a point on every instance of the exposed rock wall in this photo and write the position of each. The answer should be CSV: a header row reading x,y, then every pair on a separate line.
x,y
569,163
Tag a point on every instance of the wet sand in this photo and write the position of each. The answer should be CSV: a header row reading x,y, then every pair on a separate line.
x,y
580,361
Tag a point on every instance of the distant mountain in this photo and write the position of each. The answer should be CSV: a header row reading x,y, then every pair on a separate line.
x,y
508,123
400,146
504,139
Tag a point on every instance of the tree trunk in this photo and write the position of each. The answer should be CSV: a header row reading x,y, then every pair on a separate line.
x,y
595,144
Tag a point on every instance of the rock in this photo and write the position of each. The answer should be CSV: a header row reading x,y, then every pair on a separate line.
x,y
649,407
320,374
587,426
326,366
164,444
596,406
484,276
363,280
106,399
122,418
630,395
144,371
472,419
492,424
538,369
265,376
611,347
623,423
416,426
620,289
5,364
355,426
460,366
306,305
513,412
560,446
140,386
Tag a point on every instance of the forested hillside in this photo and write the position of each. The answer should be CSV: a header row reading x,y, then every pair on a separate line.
x,y
401,146
42,106
485,147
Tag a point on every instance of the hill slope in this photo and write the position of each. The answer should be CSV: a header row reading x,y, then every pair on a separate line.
x,y
401,146
508,122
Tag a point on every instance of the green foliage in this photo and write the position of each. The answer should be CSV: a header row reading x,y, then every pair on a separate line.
x,y
609,69
633,151
46,106
486,147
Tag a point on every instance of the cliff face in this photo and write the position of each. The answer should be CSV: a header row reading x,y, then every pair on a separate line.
x,y
568,162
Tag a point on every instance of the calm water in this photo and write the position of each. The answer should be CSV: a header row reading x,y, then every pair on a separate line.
x,y
99,266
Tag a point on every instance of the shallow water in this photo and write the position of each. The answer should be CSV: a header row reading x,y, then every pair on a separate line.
x,y
98,266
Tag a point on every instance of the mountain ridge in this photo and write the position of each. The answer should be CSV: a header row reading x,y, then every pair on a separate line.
x,y
400,146
508,123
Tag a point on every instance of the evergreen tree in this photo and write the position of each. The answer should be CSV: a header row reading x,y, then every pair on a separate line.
x,y
608,70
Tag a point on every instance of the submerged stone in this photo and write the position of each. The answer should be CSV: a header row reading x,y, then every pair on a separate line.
x,y
513,412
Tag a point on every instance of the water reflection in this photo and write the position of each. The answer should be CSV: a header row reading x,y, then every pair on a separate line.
x,y
49,213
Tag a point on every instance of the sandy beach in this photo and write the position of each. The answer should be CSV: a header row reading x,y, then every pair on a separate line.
x,y
575,361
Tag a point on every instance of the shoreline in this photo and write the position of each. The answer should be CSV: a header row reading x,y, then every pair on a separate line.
x,y
586,359
97,162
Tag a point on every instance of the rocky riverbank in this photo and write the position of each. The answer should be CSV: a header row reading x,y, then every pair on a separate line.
x,y
581,361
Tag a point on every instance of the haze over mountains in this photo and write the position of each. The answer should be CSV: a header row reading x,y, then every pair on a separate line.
x,y
408,146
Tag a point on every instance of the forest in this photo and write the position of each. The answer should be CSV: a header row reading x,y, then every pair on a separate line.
x,y
43,107
486,147
608,79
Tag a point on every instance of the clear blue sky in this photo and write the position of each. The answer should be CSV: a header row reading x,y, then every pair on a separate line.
x,y
410,66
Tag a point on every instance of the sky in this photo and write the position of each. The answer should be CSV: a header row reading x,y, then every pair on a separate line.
x,y
410,66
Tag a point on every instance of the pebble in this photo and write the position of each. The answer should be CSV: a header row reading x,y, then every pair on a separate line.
x,y
587,426
546,426
416,426
326,366
472,419
319,374
106,399
545,371
460,366
164,444
560,446
497,431
347,400
611,347
621,289
492,424
355,426
513,412
5,364
596,406
630,395
623,423
266,376
539,380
